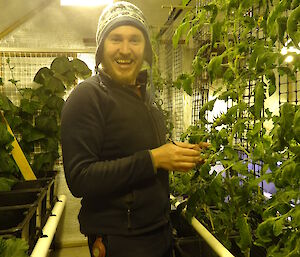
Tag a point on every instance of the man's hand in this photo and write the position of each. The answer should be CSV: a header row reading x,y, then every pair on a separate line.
x,y
178,156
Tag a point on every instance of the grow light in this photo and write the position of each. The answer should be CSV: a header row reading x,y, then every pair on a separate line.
x,y
85,2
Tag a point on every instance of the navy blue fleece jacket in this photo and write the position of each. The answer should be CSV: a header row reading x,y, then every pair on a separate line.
x,y
107,131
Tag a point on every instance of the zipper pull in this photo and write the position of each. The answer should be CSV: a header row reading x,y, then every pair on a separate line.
x,y
129,218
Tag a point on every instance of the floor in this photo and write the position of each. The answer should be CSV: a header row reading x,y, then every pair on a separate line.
x,y
82,251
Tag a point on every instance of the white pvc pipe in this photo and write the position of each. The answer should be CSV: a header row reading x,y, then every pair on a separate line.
x,y
210,239
207,236
43,244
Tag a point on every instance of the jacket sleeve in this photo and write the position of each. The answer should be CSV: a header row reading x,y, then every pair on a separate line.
x,y
82,124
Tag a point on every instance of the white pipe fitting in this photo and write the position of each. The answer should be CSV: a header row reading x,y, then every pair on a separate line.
x,y
43,244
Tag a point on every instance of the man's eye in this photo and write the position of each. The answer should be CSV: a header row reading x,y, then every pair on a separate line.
x,y
115,39
135,40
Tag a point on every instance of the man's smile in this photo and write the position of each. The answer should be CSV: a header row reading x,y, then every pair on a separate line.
x,y
124,61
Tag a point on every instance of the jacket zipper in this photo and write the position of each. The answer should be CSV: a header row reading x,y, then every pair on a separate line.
x,y
155,130
154,125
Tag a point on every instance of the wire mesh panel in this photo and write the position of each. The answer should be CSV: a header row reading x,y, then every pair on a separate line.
x,y
17,70
178,94
199,98
289,90
21,67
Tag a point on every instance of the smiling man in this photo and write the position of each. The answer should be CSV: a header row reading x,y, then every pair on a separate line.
x,y
123,54
114,146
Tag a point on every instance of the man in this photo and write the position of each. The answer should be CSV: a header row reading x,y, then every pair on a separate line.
x,y
114,150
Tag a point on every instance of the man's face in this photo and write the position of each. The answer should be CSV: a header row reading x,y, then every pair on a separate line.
x,y
123,54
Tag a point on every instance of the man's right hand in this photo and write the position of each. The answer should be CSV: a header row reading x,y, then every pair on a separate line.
x,y
178,156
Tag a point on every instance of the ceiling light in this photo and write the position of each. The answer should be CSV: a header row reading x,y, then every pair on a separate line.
x,y
85,2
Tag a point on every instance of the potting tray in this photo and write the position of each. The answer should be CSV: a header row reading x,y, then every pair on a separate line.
x,y
19,221
48,181
35,196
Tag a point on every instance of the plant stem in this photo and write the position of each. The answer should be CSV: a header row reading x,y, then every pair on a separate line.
x,y
13,81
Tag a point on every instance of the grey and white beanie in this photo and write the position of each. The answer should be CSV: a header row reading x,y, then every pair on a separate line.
x,y
118,14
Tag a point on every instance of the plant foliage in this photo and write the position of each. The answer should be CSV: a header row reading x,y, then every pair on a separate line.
x,y
13,247
225,193
36,120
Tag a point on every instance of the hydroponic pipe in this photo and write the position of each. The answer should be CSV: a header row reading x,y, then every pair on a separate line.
x,y
43,244
215,245
210,239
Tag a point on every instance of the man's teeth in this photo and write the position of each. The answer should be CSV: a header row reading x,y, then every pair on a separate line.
x,y
123,61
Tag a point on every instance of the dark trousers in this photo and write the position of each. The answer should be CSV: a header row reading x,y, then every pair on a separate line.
x,y
157,243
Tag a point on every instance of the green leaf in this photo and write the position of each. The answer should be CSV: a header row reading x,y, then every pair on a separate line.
x,y
266,61
216,33
204,170
258,152
29,106
287,114
185,81
1,82
292,26
181,29
259,96
8,164
259,50
240,167
202,50
55,103
208,106
265,229
282,27
31,134
14,247
229,75
81,69
5,103
69,78
296,125
214,67
46,124
213,9
272,82
44,161
50,144
276,13
245,233
55,86
256,129
61,65
43,75
5,137
6,183
278,226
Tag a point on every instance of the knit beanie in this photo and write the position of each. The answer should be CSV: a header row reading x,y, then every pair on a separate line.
x,y
120,14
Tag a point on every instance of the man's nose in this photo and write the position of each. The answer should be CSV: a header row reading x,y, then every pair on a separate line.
x,y
125,47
